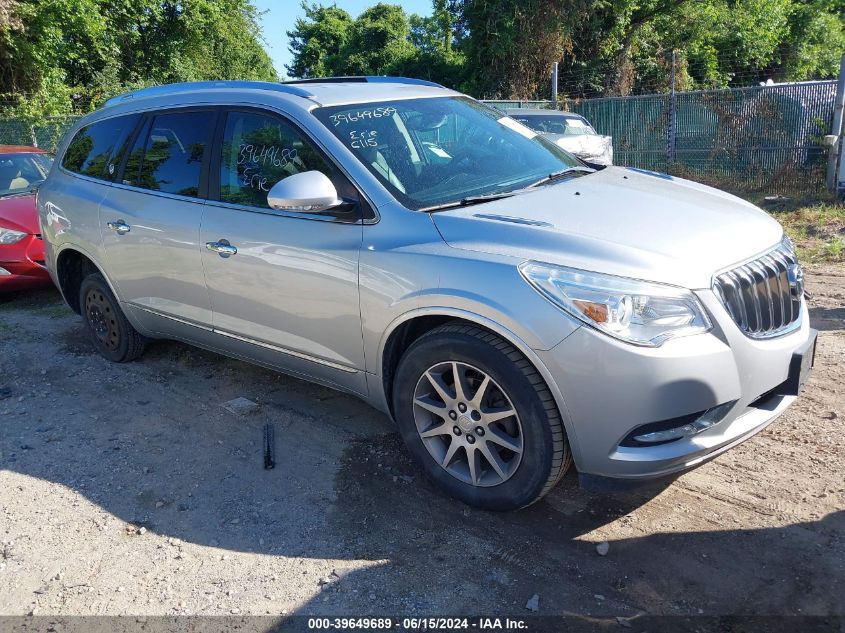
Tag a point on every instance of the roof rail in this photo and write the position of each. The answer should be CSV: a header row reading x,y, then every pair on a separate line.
x,y
205,85
373,79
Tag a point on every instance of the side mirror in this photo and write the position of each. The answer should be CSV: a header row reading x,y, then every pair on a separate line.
x,y
308,192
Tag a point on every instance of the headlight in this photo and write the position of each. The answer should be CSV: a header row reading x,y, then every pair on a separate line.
x,y
8,236
634,311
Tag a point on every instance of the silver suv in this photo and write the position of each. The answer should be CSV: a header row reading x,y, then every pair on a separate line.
x,y
511,308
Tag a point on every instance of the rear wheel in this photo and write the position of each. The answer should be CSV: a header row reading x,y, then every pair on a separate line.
x,y
112,334
479,418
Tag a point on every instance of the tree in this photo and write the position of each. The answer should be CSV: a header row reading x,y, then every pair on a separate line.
x,y
816,40
317,41
80,52
383,40
624,47
437,55
378,41
434,34
511,44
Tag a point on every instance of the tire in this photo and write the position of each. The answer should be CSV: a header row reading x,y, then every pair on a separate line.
x,y
112,334
529,447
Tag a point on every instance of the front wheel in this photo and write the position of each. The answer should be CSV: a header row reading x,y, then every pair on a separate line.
x,y
479,419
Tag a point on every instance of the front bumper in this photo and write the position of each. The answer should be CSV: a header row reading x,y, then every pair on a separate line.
x,y
22,265
608,388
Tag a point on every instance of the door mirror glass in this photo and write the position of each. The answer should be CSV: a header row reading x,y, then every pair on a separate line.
x,y
307,192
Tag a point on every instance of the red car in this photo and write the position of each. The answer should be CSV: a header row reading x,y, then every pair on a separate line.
x,y
22,169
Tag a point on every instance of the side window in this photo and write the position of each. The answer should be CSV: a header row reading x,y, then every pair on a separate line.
x,y
258,151
96,149
168,154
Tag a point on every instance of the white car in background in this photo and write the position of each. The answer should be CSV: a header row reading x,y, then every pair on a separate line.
x,y
569,131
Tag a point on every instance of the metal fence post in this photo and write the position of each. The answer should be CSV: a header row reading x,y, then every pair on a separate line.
x,y
554,85
670,136
836,155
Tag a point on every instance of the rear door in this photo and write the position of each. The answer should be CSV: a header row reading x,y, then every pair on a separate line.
x,y
292,286
150,219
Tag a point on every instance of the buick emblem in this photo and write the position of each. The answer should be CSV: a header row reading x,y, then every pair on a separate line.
x,y
795,275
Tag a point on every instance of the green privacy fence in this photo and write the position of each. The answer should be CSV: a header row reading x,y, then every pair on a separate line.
x,y
758,139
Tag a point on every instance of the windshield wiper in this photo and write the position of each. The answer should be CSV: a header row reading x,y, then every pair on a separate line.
x,y
558,175
465,202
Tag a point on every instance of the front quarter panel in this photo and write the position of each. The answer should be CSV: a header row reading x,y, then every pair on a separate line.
x,y
407,270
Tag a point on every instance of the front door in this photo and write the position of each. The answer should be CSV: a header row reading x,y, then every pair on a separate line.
x,y
292,286
151,218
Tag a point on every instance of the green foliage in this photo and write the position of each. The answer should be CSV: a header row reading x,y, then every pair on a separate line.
x,y
624,46
58,56
433,34
383,40
816,229
317,40
378,41
505,48
815,42
67,56
512,43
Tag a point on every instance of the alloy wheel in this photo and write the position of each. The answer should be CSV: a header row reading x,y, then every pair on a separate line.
x,y
468,424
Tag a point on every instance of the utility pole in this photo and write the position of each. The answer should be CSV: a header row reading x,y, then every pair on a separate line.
x,y
554,85
836,140
673,112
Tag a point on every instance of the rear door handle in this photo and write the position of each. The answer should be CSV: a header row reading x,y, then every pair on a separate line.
x,y
119,226
222,248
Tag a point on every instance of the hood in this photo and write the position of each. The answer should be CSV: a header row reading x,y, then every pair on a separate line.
x,y
18,212
619,221
593,148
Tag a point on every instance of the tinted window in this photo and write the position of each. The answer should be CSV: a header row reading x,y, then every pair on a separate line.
x,y
258,151
168,154
93,151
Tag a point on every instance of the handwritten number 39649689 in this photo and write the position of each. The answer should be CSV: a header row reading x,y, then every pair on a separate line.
x,y
252,157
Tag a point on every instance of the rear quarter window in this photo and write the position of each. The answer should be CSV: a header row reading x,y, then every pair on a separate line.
x,y
96,149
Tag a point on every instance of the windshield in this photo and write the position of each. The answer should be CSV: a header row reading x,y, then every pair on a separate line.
x,y
21,172
555,124
431,152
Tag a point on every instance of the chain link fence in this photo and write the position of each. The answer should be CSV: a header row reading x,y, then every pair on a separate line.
x,y
45,134
765,139
762,139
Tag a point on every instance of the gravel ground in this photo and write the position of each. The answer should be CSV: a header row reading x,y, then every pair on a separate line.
x,y
129,489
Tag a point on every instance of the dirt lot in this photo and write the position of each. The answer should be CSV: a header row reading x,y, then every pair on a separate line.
x,y
128,489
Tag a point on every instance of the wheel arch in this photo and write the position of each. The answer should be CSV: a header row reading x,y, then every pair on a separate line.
x,y
73,265
410,326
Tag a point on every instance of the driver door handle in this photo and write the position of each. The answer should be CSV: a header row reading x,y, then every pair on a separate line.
x,y
119,226
222,248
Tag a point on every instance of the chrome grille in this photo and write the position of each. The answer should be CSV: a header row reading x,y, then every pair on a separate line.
x,y
763,296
